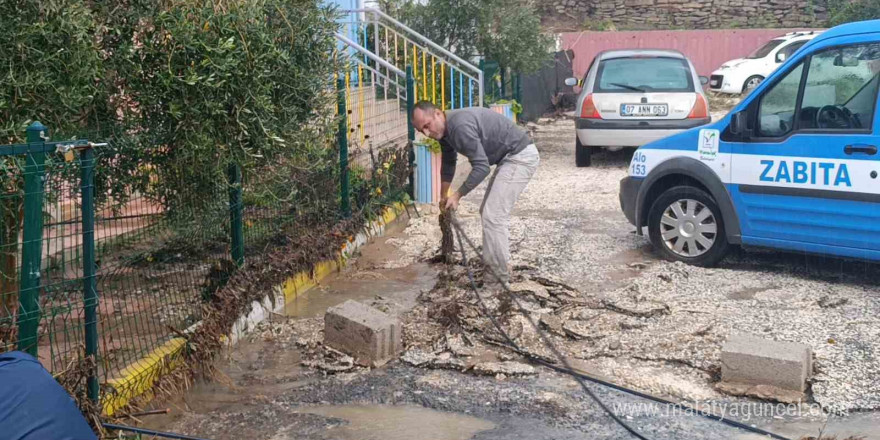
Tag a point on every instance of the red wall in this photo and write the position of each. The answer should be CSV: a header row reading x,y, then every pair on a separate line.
x,y
706,49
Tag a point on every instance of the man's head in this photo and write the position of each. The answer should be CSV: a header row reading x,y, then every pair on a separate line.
x,y
429,120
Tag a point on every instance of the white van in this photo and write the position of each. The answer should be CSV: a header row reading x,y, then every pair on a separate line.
x,y
742,75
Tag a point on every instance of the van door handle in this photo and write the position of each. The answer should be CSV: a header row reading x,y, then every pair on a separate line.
x,y
860,148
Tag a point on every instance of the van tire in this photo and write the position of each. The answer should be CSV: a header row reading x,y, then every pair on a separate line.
x,y
752,82
681,195
582,153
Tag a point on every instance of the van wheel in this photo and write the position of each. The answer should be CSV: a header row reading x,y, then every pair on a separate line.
x,y
685,224
582,153
751,83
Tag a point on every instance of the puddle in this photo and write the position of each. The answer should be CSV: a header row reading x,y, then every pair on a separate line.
x,y
382,422
366,278
401,286
746,294
643,254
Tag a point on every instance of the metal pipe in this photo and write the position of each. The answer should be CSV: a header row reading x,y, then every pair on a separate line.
x,y
381,75
369,54
150,432
481,87
90,285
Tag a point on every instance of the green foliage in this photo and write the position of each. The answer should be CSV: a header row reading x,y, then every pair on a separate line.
x,y
179,88
845,11
504,31
513,37
515,106
215,83
433,145
51,67
591,24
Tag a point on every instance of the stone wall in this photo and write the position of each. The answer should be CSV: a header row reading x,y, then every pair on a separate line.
x,y
686,14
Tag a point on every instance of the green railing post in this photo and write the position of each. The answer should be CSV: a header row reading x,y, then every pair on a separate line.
x,y
517,87
410,131
342,140
32,239
235,214
90,288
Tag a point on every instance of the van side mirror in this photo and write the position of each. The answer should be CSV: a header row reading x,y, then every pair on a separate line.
x,y
571,82
704,80
780,57
738,124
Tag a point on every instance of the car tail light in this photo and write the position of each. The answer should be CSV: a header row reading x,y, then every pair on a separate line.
x,y
589,110
701,109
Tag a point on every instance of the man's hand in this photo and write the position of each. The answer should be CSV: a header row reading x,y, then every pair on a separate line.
x,y
451,202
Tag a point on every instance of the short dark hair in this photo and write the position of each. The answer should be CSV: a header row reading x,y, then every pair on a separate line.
x,y
425,106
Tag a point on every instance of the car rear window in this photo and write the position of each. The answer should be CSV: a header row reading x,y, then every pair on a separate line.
x,y
644,74
765,50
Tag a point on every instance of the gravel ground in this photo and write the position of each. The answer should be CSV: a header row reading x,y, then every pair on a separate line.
x,y
569,226
623,315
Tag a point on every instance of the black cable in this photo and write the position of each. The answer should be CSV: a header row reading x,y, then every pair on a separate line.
x,y
567,369
510,341
150,432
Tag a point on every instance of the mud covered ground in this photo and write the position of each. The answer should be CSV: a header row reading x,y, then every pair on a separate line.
x,y
583,275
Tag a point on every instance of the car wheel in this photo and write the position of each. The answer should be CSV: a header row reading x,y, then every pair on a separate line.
x,y
685,224
582,153
751,83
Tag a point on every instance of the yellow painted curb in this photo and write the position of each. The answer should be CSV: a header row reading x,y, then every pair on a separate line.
x,y
138,378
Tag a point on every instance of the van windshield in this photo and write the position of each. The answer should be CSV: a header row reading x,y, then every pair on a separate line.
x,y
644,74
765,50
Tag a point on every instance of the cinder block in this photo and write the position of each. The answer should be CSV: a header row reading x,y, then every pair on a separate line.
x,y
371,337
752,360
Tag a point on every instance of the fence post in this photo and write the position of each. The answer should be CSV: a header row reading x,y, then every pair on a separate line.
x,y
410,131
32,240
235,214
517,87
90,290
342,140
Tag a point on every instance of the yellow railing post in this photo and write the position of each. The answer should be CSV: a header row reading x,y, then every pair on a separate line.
x,y
415,72
443,86
361,103
433,80
424,76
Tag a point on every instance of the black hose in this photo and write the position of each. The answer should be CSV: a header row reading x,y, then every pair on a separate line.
x,y
566,368
510,341
150,432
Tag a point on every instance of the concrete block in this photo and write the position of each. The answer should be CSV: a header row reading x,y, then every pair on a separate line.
x,y
751,360
371,337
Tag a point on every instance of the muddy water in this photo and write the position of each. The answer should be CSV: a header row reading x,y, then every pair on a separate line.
x,y
367,277
401,286
255,372
381,422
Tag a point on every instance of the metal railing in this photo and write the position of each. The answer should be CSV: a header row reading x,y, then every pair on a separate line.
x,y
374,96
439,75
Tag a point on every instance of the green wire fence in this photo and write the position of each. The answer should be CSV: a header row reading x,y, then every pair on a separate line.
x,y
113,273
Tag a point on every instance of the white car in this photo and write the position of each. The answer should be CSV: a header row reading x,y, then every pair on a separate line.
x,y
742,75
632,97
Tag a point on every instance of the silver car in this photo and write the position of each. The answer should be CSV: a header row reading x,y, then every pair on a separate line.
x,y
633,97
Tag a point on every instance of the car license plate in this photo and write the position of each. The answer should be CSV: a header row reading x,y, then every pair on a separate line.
x,y
644,110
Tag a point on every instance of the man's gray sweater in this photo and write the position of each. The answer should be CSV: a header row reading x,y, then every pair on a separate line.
x,y
481,135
